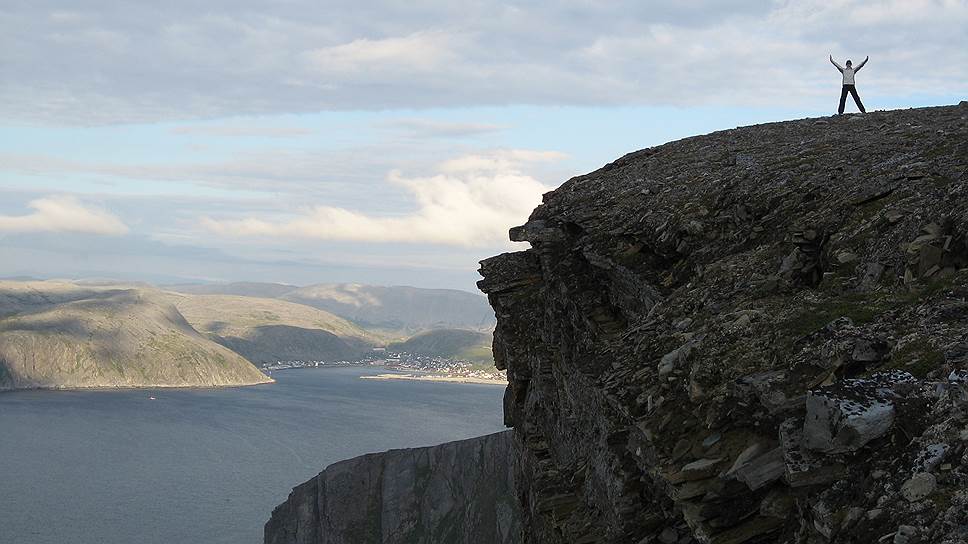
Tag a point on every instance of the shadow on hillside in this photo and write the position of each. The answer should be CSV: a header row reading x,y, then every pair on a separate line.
x,y
272,343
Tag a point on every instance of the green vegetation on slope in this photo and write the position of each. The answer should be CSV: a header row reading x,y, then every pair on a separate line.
x,y
229,315
58,335
452,343
267,330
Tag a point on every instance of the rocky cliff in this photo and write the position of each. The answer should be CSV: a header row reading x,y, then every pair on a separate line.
x,y
757,335
455,492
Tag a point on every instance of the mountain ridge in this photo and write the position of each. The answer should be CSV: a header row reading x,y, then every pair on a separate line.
x,y
396,309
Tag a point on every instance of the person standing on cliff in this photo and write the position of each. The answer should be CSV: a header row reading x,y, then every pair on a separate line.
x,y
848,71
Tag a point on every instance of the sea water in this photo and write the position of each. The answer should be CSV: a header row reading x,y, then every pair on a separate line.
x,y
205,465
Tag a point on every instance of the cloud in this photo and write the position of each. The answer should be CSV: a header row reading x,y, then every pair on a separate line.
x,y
63,214
471,201
87,65
279,171
418,52
503,161
241,131
342,176
432,128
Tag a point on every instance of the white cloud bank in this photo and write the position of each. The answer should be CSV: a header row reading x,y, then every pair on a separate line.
x,y
86,64
418,52
471,201
63,214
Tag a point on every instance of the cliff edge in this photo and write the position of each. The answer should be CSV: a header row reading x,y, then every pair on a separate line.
x,y
455,492
757,335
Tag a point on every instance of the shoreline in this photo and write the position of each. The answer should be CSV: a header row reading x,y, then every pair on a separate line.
x,y
76,388
436,378
406,375
327,365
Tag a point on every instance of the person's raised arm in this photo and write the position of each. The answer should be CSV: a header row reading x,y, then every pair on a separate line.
x,y
861,65
839,67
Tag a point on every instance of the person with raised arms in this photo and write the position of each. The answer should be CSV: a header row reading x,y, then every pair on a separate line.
x,y
848,71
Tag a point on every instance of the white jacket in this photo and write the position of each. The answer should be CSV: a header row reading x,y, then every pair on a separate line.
x,y
849,71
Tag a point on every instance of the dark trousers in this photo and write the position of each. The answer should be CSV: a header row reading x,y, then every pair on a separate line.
x,y
843,98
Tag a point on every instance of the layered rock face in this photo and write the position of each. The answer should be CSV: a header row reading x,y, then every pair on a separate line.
x,y
758,335
455,492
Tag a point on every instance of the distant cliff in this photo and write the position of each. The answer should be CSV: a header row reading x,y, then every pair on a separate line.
x,y
759,335
60,335
455,492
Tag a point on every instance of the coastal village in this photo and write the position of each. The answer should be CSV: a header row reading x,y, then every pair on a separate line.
x,y
408,366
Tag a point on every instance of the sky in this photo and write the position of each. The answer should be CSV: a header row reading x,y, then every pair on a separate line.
x,y
390,142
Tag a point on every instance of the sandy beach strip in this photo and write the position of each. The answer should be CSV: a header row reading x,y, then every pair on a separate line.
x,y
436,378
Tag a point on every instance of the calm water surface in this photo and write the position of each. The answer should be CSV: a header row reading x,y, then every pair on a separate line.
x,y
205,466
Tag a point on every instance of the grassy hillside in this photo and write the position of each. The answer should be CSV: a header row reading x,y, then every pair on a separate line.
x,y
20,296
239,288
48,321
453,343
394,312
398,308
269,330
228,315
59,335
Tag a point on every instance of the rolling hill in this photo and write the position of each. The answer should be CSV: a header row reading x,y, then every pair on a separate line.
x,y
66,334
452,343
239,288
397,311
406,309
266,330
57,335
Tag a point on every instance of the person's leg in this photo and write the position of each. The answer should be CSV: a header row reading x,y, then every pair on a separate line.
x,y
860,105
843,100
